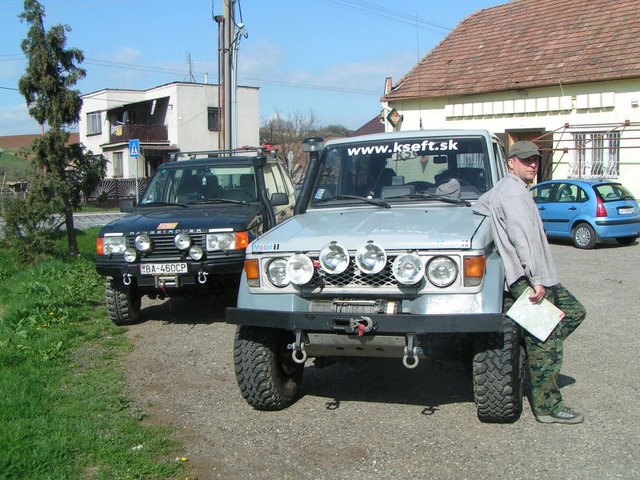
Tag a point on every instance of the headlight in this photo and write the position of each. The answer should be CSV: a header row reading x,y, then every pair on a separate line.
x,y
182,241
114,245
143,243
300,269
130,255
442,271
221,241
277,272
196,253
371,258
334,258
408,268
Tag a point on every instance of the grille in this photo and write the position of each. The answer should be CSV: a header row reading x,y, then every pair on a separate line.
x,y
352,277
164,248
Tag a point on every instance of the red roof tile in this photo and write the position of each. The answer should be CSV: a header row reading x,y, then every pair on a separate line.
x,y
527,44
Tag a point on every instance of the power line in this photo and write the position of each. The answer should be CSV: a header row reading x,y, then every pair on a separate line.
x,y
388,14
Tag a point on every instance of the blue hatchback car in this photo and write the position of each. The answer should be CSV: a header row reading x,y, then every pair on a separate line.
x,y
587,211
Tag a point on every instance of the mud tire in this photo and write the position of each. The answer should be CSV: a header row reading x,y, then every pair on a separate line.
x,y
498,366
268,377
123,303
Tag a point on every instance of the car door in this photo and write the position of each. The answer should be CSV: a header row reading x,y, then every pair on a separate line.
x,y
562,210
543,195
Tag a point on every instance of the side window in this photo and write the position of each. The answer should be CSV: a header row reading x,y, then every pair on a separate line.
x,y
269,181
542,194
567,193
287,180
277,176
582,195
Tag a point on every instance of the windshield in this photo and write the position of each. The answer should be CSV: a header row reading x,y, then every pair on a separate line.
x,y
453,167
200,184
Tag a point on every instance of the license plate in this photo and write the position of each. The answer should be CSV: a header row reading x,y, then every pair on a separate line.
x,y
625,210
163,268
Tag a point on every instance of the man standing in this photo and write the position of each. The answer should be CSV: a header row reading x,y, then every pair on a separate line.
x,y
521,242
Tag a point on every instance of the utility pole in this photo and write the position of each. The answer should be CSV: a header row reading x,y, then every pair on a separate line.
x,y
226,27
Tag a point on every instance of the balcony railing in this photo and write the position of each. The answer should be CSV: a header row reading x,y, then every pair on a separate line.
x,y
145,133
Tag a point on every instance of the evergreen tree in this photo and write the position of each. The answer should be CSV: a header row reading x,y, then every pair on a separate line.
x,y
64,172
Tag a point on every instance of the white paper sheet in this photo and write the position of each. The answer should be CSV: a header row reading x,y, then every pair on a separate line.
x,y
539,319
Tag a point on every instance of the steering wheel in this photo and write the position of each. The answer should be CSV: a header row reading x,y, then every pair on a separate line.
x,y
238,194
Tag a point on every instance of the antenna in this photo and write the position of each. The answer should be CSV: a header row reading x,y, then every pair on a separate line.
x,y
190,66
419,70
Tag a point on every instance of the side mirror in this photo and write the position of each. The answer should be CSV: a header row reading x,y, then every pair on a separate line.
x,y
278,199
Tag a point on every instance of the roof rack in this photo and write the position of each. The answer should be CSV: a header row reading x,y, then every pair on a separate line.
x,y
262,150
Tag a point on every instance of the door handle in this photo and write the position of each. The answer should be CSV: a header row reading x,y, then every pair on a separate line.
x,y
572,208
541,208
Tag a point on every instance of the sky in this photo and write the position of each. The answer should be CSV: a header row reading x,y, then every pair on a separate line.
x,y
329,58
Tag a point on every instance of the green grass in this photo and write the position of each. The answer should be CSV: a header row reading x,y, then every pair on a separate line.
x,y
16,167
63,414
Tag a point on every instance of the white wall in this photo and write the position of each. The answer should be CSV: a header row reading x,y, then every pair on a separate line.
x,y
597,107
186,119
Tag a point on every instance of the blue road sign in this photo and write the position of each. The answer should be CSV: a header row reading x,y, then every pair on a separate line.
x,y
134,147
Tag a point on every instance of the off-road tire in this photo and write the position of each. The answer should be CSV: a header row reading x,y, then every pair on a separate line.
x,y
267,375
498,365
123,303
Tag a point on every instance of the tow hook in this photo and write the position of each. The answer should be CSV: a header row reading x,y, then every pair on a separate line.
x,y
410,359
361,325
126,278
202,277
298,353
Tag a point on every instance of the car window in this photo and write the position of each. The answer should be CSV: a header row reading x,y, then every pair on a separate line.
x,y
567,193
542,193
611,192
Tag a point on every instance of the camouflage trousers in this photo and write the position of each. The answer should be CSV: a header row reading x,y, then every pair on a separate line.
x,y
544,359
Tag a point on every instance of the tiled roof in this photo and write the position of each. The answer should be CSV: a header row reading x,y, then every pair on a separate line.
x,y
372,126
527,44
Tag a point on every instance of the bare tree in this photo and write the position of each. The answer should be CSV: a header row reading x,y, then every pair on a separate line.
x,y
286,134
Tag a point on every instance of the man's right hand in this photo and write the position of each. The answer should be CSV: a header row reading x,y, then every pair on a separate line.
x,y
538,294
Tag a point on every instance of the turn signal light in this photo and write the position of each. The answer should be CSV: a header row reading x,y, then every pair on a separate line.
x,y
252,271
474,268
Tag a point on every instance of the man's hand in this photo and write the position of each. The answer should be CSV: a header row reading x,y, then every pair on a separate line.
x,y
538,294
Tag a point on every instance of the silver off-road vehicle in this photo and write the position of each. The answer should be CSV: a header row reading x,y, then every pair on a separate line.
x,y
384,257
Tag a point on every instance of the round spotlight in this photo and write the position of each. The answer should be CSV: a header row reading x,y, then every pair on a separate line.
x,y
334,258
196,252
300,269
408,268
371,258
182,241
143,243
130,255
442,271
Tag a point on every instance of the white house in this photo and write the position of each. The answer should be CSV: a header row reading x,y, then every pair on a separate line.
x,y
563,73
171,118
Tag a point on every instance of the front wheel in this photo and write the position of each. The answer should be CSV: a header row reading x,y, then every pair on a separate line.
x,y
498,366
123,303
584,236
265,371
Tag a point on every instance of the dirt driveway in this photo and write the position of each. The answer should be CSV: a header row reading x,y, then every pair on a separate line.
x,y
383,421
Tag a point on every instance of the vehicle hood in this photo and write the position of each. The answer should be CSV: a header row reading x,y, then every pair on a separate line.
x,y
235,216
419,227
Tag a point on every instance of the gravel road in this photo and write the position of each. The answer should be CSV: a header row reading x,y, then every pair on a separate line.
x,y
383,421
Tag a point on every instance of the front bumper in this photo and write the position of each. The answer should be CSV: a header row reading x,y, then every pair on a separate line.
x,y
380,323
222,265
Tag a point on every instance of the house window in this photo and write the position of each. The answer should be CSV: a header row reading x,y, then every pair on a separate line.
x,y
94,123
213,118
596,155
117,164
